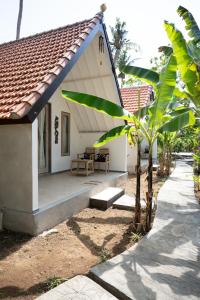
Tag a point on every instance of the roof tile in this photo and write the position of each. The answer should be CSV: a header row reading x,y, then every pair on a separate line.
x,y
133,97
29,65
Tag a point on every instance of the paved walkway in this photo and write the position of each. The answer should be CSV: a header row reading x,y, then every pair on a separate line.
x,y
166,263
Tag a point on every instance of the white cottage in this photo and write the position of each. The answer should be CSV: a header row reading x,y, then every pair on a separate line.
x,y
40,132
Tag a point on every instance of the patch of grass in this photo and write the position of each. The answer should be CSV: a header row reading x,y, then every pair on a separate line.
x,y
105,254
53,282
135,237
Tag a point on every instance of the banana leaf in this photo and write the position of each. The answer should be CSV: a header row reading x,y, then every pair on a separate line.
x,y
191,25
185,63
99,104
186,118
165,91
114,134
145,75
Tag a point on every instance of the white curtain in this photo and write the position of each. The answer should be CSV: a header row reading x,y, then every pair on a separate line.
x,y
41,140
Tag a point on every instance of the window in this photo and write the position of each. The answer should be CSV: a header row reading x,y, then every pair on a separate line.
x,y
65,133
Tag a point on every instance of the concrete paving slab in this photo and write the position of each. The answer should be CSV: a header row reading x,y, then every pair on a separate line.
x,y
166,263
105,199
78,288
127,203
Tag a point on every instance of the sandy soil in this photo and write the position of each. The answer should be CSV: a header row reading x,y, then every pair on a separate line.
x,y
27,263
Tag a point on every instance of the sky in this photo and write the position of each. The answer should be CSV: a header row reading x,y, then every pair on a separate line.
x,y
144,19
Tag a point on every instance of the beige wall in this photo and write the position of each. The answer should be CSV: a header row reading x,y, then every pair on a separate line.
x,y
18,181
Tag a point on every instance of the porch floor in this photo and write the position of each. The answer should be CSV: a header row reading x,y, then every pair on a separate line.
x,y
55,188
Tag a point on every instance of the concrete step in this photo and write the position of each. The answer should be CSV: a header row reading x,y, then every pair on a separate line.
x,y
105,199
127,203
78,288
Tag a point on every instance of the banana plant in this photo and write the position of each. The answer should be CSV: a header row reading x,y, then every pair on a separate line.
x,y
136,127
187,55
160,116
131,129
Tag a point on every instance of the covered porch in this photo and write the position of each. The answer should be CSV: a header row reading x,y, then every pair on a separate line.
x,y
61,195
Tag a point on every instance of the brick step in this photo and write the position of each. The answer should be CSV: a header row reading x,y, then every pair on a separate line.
x,y
105,199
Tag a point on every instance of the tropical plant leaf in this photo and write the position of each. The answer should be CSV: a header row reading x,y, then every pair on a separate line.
x,y
114,134
145,75
186,118
166,50
191,25
185,63
196,158
165,90
99,104
181,94
194,51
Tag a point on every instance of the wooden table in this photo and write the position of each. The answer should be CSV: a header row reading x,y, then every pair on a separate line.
x,y
82,166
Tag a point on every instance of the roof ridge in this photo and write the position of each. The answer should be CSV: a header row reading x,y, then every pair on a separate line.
x,y
99,14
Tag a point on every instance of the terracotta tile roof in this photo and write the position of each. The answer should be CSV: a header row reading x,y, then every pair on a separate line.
x,y
130,97
28,66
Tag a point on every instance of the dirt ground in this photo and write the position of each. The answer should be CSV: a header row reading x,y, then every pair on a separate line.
x,y
30,266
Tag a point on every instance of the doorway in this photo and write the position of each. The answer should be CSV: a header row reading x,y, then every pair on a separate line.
x,y
44,140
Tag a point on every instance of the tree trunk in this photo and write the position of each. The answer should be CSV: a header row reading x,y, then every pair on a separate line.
x,y
116,56
150,189
19,20
138,175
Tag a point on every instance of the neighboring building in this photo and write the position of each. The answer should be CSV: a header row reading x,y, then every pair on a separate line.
x,y
134,98
41,132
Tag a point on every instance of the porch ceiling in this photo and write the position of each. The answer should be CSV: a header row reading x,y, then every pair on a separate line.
x,y
93,74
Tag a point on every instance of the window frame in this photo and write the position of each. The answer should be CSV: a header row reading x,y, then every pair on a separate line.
x,y
63,115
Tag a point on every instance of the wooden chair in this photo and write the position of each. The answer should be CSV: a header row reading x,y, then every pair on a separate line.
x,y
90,153
103,158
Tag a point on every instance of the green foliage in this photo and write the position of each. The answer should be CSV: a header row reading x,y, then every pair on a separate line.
x,y
121,47
99,104
145,75
135,237
196,158
187,54
105,255
53,282
186,66
157,63
113,134
186,141
191,25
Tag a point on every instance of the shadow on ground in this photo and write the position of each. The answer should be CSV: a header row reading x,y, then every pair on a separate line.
x,y
165,265
11,242
95,249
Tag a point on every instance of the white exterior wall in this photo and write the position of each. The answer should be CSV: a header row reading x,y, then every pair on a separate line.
x,y
58,162
92,74
18,167
117,149
131,158
79,141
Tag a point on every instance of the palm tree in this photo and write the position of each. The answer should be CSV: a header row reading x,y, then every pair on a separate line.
x,y
19,19
124,59
119,40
